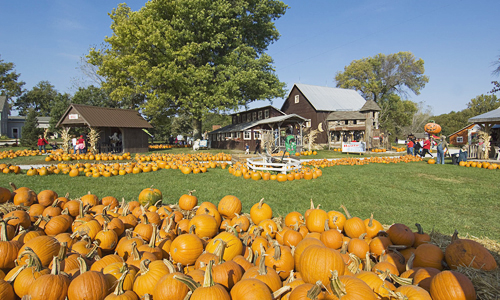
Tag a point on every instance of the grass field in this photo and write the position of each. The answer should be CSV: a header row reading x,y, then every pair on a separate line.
x,y
440,197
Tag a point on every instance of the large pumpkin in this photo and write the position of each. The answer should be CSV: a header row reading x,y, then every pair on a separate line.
x,y
150,196
432,127
465,252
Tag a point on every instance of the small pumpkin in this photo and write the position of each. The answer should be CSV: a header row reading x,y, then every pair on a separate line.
x,y
149,196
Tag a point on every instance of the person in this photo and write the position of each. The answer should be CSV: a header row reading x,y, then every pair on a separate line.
x,y
41,143
74,144
247,148
416,148
441,146
257,147
80,145
426,148
409,145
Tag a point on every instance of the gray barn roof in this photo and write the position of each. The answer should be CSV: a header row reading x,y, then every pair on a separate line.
x,y
248,125
345,115
489,117
324,98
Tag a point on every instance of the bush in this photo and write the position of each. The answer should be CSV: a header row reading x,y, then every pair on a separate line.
x,y
30,132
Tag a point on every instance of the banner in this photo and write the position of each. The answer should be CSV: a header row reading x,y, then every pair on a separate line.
x,y
357,147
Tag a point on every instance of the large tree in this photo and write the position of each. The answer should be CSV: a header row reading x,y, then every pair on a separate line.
x,y
483,104
40,98
190,57
58,107
30,130
10,85
382,75
396,114
92,95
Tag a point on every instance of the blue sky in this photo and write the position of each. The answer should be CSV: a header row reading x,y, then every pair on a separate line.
x,y
458,40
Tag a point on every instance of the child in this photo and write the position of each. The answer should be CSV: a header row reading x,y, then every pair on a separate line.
x,y
247,148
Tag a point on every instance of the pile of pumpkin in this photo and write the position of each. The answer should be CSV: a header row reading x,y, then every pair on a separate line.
x,y
59,155
473,164
399,149
19,153
88,248
166,146
184,157
8,168
352,161
239,169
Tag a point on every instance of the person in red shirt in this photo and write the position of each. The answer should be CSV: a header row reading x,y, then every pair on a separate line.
x,y
80,145
426,147
409,145
41,143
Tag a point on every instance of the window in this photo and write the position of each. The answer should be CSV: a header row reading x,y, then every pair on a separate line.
x,y
260,115
254,116
296,98
247,135
249,117
256,135
266,114
234,119
244,118
239,118
460,139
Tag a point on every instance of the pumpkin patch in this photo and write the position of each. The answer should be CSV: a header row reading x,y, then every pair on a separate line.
x,y
99,248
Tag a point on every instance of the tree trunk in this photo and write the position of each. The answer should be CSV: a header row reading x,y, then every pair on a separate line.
x,y
196,128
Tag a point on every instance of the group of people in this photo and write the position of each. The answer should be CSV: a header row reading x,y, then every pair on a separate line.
x,y
422,147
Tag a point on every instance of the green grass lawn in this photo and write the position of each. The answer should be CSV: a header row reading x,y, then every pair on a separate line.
x,y
440,197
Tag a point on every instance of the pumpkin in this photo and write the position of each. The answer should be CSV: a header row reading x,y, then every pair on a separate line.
x,y
358,247
354,227
114,271
226,274
372,227
265,274
186,248
47,197
90,199
350,287
149,196
423,277
168,288
280,258
412,292
89,285
316,262
5,195
205,226
233,248
50,286
8,249
420,236
28,274
432,127
7,292
188,202
428,255
401,234
465,252
149,275
301,247
306,291
260,211
229,206
45,247
379,244
120,293
315,220
250,289
452,285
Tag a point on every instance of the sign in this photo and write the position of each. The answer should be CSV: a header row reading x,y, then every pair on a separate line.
x,y
358,147
203,143
73,116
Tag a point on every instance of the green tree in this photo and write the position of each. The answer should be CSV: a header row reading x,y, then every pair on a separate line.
x,y
211,119
483,104
30,130
190,57
58,108
382,75
40,98
453,121
10,85
94,96
396,114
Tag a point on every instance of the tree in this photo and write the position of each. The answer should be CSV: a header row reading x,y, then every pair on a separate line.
x,y
418,121
396,114
483,104
453,121
92,95
30,130
40,98
382,75
190,57
10,86
59,107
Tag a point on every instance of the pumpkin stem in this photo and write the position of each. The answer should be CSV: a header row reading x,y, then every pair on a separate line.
x,y
170,265
208,279
354,265
337,287
326,225
191,192
62,251
401,281
277,252
262,201
56,266
370,223
119,288
368,262
13,186
146,219
219,250
454,237
409,263
154,235
192,229
14,276
191,284
250,255
420,230
277,294
343,249
348,215
290,278
262,264
312,204
143,266
232,229
314,292
3,232
135,253
81,261
80,209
